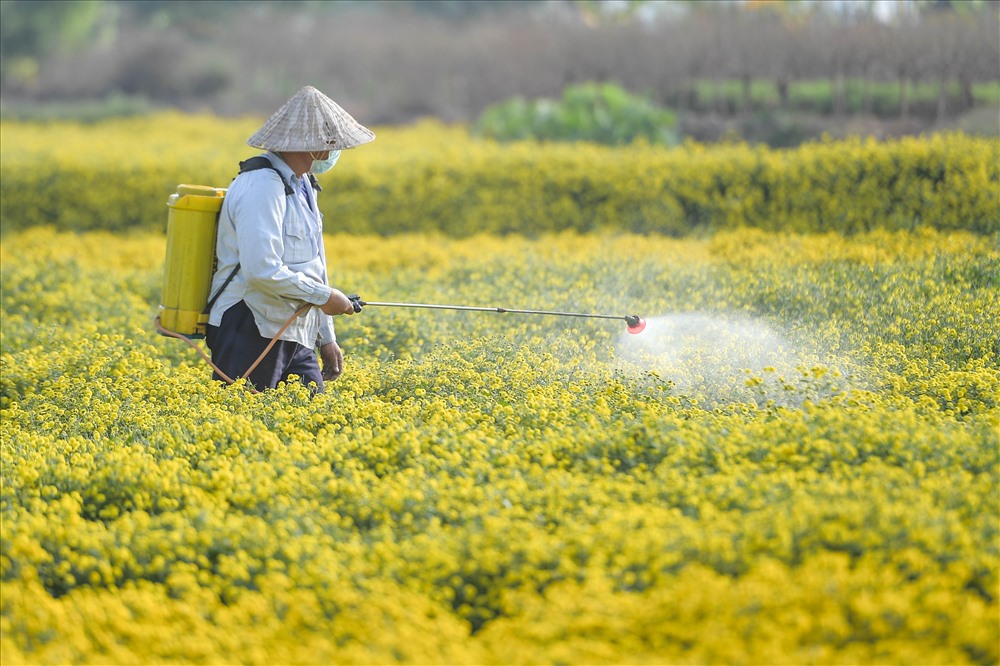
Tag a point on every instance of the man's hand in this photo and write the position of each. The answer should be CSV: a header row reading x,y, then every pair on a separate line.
x,y
337,304
333,360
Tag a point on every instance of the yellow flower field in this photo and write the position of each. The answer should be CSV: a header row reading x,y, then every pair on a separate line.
x,y
796,462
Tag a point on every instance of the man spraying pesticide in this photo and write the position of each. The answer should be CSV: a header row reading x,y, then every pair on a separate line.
x,y
258,250
271,263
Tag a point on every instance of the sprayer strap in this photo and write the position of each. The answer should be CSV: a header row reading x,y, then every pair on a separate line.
x,y
253,164
211,302
261,162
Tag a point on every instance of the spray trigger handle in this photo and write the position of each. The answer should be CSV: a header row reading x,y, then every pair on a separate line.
x,y
356,302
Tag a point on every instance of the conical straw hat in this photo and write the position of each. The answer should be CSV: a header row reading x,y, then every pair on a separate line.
x,y
310,122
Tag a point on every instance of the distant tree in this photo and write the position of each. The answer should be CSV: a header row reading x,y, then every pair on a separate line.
x,y
954,6
868,65
830,56
905,56
768,51
979,58
456,9
596,12
31,30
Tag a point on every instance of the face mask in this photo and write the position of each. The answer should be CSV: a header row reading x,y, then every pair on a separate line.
x,y
322,166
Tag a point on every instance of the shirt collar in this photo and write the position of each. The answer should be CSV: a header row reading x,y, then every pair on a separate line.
x,y
286,171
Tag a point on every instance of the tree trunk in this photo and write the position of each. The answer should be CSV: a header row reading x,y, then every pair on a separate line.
x,y
904,97
747,94
968,101
942,103
782,86
838,95
676,98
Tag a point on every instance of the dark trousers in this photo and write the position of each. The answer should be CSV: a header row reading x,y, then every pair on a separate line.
x,y
236,343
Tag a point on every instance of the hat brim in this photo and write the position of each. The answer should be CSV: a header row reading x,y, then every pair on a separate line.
x,y
310,122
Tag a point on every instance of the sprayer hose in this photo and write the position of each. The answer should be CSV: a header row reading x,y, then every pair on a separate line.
x,y
201,352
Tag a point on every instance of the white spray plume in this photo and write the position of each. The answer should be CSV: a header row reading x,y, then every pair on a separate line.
x,y
723,359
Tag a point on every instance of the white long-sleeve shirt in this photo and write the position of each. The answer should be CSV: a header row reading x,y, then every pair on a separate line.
x,y
277,240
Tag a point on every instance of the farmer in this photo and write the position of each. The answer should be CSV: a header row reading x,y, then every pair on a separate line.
x,y
271,259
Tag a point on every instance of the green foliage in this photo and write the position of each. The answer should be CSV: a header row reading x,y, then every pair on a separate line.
x,y
32,29
881,98
86,111
600,112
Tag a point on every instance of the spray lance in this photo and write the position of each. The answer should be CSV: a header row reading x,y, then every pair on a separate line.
x,y
635,323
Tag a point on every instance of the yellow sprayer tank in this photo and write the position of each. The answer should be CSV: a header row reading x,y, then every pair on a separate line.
x,y
192,222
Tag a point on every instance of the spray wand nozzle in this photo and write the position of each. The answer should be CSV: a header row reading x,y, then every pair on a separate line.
x,y
635,323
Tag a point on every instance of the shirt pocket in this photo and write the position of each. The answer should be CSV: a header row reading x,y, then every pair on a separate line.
x,y
297,240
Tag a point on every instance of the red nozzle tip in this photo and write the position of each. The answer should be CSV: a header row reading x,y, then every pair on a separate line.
x,y
638,326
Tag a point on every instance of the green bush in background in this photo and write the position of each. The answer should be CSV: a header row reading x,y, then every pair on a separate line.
x,y
599,112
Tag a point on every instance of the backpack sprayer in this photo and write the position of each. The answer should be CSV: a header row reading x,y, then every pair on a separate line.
x,y
192,225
